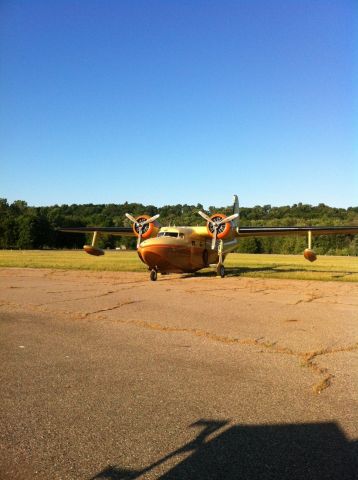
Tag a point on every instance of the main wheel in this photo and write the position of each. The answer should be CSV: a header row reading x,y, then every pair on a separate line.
x,y
220,270
153,275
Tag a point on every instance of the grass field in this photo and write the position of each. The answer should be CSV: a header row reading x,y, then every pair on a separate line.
x,y
248,265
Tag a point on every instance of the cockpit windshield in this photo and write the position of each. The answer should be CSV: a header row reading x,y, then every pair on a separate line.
x,y
168,234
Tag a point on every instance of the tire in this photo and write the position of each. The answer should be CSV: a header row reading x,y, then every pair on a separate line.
x,y
153,275
220,270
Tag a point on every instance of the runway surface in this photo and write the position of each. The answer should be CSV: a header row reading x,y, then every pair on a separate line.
x,y
110,376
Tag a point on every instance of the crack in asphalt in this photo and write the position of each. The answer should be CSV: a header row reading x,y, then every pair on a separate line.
x,y
305,359
69,291
108,309
78,298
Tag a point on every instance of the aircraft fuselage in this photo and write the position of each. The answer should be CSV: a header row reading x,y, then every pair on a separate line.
x,y
181,250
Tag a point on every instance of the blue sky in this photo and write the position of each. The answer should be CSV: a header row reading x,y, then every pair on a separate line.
x,y
165,102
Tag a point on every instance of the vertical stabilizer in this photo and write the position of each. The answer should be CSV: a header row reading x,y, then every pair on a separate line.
x,y
236,209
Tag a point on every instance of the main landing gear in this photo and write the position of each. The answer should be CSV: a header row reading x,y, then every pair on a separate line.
x,y
220,269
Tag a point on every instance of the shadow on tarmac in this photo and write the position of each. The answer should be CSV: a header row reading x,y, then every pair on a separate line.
x,y
311,451
231,271
237,271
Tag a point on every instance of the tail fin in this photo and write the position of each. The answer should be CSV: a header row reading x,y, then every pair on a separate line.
x,y
236,209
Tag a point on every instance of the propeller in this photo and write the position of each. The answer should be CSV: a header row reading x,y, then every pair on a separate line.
x,y
138,225
215,224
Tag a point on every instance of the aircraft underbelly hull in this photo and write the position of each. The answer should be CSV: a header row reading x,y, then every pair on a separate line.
x,y
173,259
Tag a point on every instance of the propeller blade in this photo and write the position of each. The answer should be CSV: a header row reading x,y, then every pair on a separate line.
x,y
150,219
228,219
129,216
205,216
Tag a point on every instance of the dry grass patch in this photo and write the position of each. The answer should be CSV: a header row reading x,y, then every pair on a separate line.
x,y
246,265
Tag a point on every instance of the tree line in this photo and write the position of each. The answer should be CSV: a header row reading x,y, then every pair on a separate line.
x,y
26,227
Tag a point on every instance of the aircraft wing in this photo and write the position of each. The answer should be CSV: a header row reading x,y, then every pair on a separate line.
x,y
117,231
282,231
243,232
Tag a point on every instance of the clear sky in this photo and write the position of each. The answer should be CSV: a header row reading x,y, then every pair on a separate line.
x,y
176,101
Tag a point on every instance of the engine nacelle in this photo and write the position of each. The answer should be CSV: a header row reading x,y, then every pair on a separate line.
x,y
223,229
310,255
149,230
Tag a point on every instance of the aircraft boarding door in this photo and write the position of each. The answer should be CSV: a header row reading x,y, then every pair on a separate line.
x,y
196,253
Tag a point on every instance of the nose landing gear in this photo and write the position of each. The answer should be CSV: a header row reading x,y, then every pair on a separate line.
x,y
153,274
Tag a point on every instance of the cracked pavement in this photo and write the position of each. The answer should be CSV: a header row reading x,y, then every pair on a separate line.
x,y
110,369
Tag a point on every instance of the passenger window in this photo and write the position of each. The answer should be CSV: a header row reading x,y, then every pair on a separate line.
x,y
193,243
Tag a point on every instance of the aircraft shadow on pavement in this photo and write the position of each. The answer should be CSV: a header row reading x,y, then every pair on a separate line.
x,y
237,271
232,271
311,451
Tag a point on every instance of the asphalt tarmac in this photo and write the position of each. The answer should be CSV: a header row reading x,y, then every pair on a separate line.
x,y
110,376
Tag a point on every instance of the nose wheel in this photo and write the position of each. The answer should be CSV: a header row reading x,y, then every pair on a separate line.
x,y
153,275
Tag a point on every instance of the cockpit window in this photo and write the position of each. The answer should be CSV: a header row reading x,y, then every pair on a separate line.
x,y
168,234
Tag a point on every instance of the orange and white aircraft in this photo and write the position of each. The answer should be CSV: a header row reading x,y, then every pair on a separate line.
x,y
189,249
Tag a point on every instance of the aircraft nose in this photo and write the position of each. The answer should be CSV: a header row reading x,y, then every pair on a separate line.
x,y
166,258
152,256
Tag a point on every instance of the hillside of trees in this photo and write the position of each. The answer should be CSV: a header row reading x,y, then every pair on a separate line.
x,y
26,227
